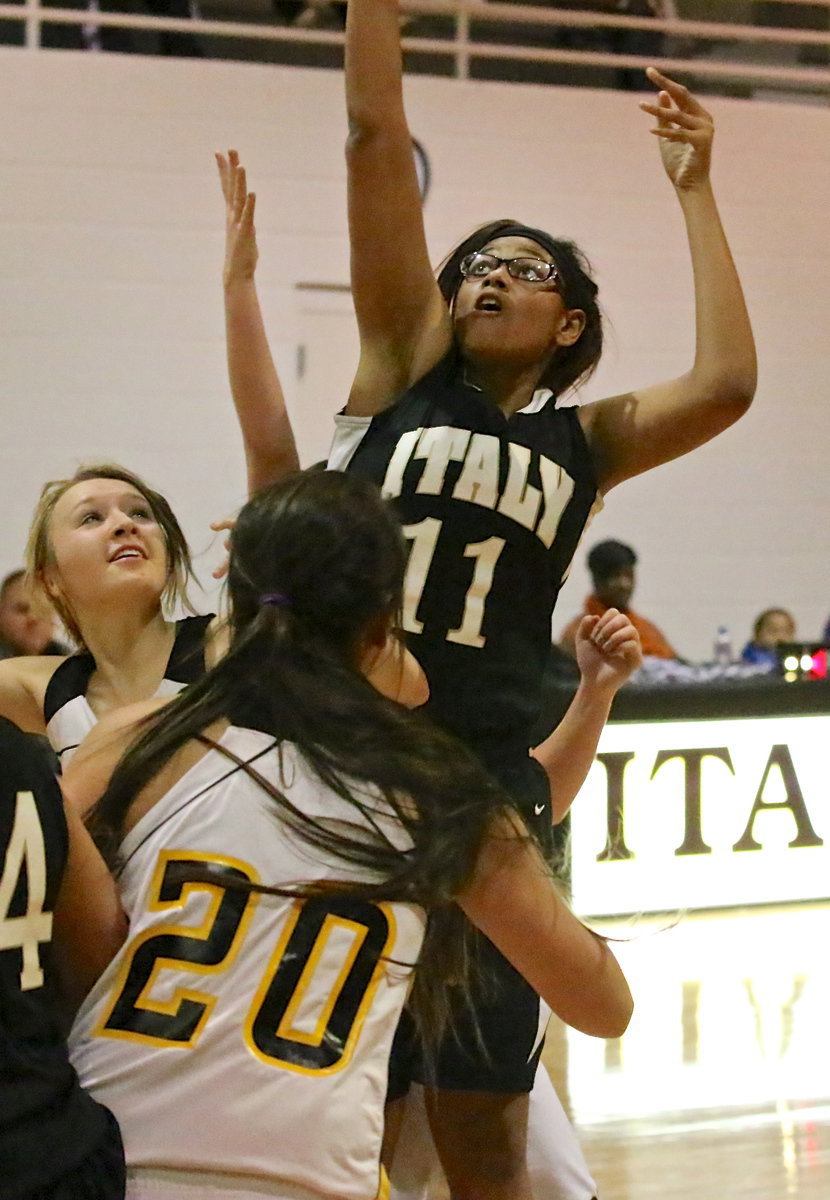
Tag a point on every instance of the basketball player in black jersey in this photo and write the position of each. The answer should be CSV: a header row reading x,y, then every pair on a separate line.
x,y
56,895
453,412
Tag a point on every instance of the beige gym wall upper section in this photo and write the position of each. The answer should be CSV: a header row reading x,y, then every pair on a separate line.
x,y
111,335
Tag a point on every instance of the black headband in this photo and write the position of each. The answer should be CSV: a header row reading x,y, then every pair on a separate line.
x,y
527,231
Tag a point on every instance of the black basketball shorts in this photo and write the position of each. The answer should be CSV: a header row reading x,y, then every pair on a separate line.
x,y
496,1047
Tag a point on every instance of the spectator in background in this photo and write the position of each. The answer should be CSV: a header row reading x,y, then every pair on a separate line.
x,y
644,42
773,626
612,565
120,40
27,620
647,42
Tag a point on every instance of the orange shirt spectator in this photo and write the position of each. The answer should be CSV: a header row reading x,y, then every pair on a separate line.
x,y
611,565
654,642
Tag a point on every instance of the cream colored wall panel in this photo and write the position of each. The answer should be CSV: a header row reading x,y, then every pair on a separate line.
x,y
111,317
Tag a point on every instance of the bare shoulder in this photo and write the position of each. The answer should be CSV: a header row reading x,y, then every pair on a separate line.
x,y
639,430
123,722
594,416
177,766
87,774
386,370
23,684
35,670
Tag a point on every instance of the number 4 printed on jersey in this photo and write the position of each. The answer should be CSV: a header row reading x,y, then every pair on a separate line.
x,y
25,855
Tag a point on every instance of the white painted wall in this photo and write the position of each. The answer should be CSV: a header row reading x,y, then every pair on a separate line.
x,y
110,306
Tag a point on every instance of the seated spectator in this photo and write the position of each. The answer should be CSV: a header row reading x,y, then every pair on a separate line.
x,y
27,620
612,572
773,626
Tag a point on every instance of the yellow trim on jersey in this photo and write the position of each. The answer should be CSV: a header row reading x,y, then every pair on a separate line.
x,y
202,932
384,1190
360,1015
286,1029
271,970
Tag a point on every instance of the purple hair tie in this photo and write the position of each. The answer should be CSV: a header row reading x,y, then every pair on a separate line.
x,y
275,599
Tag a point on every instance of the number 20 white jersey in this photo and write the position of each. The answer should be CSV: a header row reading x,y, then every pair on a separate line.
x,y
239,1034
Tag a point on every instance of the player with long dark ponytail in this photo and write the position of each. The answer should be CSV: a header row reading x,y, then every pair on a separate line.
x,y
283,827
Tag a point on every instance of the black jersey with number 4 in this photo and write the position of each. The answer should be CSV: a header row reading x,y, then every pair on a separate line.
x,y
48,1125
493,508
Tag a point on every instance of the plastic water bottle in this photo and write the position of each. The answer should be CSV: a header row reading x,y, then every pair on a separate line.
x,y
723,646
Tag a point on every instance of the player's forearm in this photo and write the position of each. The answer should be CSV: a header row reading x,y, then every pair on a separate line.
x,y
89,922
373,66
513,900
398,327
568,752
725,366
270,449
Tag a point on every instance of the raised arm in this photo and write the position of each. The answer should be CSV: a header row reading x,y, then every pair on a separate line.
x,y
631,433
513,900
403,320
608,652
270,450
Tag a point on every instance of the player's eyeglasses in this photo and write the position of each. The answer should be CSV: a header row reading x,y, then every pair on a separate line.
x,y
528,270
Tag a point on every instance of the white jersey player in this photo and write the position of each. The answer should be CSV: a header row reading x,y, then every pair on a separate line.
x,y
280,829
233,1026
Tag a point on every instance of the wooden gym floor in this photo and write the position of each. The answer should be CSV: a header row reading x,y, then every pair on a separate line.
x,y
720,1089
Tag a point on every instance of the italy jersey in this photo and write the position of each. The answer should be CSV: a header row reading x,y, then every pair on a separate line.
x,y
66,710
242,1036
493,508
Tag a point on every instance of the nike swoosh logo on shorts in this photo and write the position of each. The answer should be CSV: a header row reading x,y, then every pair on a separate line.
x,y
538,809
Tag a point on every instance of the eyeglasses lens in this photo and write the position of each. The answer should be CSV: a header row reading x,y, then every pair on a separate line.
x,y
529,270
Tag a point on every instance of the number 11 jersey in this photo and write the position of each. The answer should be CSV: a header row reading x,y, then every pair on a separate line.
x,y
494,508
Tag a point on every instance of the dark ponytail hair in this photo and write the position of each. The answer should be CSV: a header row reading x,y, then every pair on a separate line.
x,y
316,564
570,365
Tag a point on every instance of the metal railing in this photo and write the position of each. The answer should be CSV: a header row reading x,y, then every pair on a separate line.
x,y
732,52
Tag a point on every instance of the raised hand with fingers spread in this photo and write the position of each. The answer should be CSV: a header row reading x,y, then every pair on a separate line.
x,y
241,253
685,129
270,449
223,526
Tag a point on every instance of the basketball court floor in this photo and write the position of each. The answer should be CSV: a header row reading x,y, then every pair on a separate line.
x,y
720,1088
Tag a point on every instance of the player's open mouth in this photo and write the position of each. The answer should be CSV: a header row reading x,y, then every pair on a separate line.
x,y
488,303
